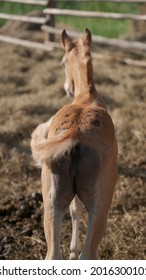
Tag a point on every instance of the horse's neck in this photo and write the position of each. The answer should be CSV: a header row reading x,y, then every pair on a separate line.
x,y
86,94
83,80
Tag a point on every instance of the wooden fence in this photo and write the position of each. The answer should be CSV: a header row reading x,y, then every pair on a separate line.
x,y
48,24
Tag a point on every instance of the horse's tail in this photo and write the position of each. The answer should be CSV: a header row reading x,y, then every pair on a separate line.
x,y
54,147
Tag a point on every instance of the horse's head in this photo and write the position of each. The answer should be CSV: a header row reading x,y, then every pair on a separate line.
x,y
77,55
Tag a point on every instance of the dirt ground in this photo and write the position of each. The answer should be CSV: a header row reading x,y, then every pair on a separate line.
x,y
31,91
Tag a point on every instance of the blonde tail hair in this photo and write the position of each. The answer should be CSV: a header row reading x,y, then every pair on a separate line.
x,y
48,149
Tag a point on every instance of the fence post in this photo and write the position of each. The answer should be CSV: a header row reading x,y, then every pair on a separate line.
x,y
50,20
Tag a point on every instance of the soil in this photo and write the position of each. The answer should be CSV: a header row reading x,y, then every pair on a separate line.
x,y
31,91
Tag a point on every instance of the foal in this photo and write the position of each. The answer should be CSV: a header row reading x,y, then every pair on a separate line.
x,y
77,150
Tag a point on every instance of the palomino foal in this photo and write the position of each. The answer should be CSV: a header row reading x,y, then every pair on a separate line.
x,y
77,150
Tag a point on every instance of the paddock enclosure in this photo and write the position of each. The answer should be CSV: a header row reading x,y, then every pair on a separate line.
x,y
31,91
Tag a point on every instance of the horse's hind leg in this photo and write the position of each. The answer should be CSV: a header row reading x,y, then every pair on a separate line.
x,y
96,226
53,215
57,196
96,191
52,227
97,207
76,208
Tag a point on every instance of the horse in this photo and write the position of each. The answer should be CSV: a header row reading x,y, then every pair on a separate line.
x,y
77,151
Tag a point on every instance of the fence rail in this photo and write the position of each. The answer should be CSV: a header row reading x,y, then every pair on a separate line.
x,y
102,41
31,19
26,43
65,12
44,3
29,2
48,24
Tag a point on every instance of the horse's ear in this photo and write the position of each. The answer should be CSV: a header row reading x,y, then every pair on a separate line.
x,y
66,41
87,37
